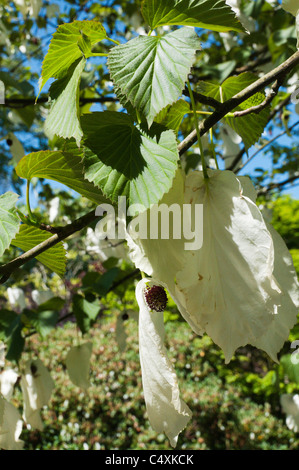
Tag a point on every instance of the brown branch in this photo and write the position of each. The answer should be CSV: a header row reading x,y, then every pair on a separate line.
x,y
232,103
7,269
23,102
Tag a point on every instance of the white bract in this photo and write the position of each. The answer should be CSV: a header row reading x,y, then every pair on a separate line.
x,y
105,247
37,386
167,412
2,354
78,364
290,406
230,147
16,148
292,6
41,296
54,209
274,337
240,287
8,378
246,21
10,426
3,35
162,258
228,286
31,7
16,297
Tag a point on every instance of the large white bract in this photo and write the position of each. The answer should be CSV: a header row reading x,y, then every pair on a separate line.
x,y
229,286
37,386
240,287
167,412
10,426
290,406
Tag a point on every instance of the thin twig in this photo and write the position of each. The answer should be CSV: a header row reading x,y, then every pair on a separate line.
x,y
266,145
239,98
265,189
272,114
23,102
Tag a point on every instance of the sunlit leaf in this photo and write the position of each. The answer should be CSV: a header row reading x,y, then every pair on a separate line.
x,y
215,15
54,258
151,71
65,167
9,221
125,160
64,48
251,126
63,118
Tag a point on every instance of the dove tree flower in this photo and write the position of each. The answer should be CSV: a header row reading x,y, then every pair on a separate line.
x,y
162,258
276,334
229,286
167,412
108,247
2,354
290,406
240,287
11,425
37,386
16,297
8,378
246,21
41,296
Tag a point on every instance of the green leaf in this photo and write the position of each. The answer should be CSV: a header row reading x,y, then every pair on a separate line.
x,y
9,221
63,117
85,312
65,167
125,160
43,322
53,304
7,318
215,15
64,48
172,116
251,126
84,45
54,258
100,283
151,71
15,341
291,369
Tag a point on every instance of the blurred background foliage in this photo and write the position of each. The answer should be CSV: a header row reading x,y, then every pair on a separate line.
x,y
235,406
